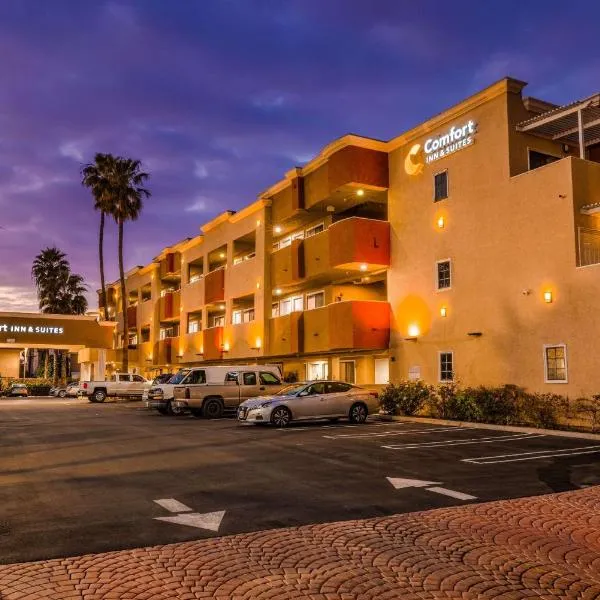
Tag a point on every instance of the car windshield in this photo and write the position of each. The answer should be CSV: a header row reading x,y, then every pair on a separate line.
x,y
291,390
179,377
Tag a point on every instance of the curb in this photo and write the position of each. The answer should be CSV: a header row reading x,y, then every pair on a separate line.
x,y
557,432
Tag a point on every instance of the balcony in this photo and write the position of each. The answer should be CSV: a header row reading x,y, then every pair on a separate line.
x,y
132,317
286,267
353,244
214,286
169,305
285,334
164,351
116,356
170,266
193,347
192,295
213,343
351,325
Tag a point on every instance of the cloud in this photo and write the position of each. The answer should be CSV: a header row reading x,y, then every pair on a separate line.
x,y
199,205
15,298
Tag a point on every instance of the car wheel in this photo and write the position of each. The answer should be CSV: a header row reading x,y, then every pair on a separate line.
x,y
281,416
196,412
358,413
98,396
212,408
62,393
175,411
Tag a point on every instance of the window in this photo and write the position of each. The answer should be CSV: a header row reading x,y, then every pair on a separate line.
x,y
446,366
314,230
275,309
231,376
237,317
444,275
218,321
440,185
196,277
196,377
555,363
539,159
382,370
145,335
133,340
289,305
249,378
348,371
267,378
243,316
315,300
193,326
336,388
316,388
137,378
317,370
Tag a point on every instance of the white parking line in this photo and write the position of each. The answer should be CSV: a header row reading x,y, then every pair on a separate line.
x,y
451,493
540,454
483,440
388,433
312,428
173,505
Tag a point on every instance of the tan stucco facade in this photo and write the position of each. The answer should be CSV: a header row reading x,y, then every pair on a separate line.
x,y
333,271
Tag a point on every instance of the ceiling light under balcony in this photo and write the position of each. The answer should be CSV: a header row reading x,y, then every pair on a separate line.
x,y
360,192
277,292
277,229
222,255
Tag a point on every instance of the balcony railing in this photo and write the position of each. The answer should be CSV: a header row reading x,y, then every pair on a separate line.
x,y
169,305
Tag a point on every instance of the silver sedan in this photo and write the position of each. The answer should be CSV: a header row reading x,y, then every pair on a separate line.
x,y
311,400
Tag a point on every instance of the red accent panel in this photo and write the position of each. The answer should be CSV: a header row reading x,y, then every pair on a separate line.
x,y
214,286
213,343
358,240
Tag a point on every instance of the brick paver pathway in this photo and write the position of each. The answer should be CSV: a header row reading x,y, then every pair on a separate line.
x,y
543,547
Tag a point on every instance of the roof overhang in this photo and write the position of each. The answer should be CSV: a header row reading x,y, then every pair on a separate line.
x,y
568,124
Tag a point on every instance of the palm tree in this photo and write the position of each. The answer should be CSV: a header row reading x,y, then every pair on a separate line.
x,y
127,192
59,291
97,177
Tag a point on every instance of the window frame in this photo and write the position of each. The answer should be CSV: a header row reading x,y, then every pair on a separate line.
x,y
453,378
309,232
437,276
263,382
214,319
545,356
447,185
195,322
530,150
312,295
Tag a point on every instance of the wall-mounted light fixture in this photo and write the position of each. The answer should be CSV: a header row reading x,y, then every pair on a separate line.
x,y
475,333
548,296
413,331
277,229
258,222
443,311
364,267
257,344
221,254
441,222
225,347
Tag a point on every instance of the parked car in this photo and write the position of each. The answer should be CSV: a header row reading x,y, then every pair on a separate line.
x,y
159,379
16,390
120,385
311,400
210,391
62,391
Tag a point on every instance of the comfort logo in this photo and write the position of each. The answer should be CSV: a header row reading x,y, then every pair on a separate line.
x,y
414,163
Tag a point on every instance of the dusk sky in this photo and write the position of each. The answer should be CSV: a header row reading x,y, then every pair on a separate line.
x,y
219,98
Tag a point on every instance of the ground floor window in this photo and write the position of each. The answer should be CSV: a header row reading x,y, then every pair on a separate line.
x,y
348,371
446,366
555,363
317,370
382,370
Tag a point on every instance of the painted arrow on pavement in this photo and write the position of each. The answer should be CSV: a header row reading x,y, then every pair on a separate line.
x,y
430,486
210,521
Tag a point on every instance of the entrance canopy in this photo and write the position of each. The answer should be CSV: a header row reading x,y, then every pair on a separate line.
x,y
576,124
63,332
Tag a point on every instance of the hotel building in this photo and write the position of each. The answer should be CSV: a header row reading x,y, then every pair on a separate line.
x,y
467,248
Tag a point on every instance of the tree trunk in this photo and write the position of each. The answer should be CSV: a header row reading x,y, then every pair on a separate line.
x,y
104,311
46,357
125,364
54,368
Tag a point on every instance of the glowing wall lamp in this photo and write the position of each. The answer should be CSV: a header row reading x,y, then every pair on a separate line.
x,y
225,347
441,222
443,311
548,296
360,192
413,332
277,229
257,344
364,267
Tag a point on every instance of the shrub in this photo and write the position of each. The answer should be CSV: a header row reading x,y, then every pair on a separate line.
x,y
37,386
590,407
541,410
499,404
452,402
404,398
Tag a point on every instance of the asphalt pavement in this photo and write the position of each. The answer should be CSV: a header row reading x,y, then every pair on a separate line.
x,y
77,478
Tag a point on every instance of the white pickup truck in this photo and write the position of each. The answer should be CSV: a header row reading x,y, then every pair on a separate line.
x,y
120,385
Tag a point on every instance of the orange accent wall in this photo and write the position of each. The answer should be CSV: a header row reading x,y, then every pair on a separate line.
x,y
214,286
358,240
285,334
169,305
170,264
132,317
359,324
213,343
358,165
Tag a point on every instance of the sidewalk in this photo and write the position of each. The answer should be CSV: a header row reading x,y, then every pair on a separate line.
x,y
542,547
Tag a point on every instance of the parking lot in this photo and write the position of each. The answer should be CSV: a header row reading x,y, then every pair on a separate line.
x,y
78,477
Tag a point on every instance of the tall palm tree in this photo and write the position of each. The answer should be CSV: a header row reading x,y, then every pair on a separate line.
x,y
97,177
127,193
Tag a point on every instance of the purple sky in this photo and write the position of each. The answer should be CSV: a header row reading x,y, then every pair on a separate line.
x,y
218,98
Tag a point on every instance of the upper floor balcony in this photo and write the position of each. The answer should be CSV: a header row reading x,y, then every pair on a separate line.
x,y
214,286
132,312
354,244
164,351
169,305
349,325
170,266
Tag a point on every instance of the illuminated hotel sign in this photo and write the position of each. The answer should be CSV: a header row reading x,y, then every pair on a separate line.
x,y
454,140
26,328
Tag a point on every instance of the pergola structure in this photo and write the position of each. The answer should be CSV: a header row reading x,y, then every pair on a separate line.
x,y
576,124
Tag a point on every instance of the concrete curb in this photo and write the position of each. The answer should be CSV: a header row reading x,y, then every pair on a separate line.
x,y
570,434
